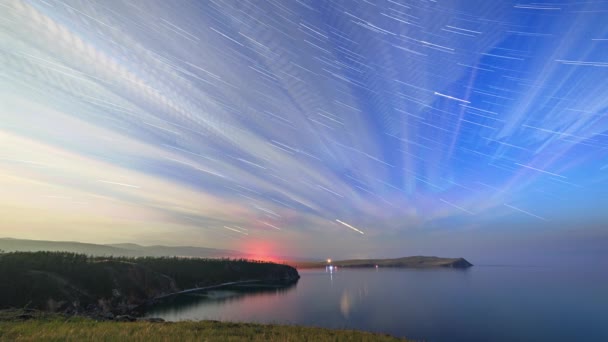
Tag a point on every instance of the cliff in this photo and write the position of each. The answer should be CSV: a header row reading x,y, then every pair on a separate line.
x,y
75,283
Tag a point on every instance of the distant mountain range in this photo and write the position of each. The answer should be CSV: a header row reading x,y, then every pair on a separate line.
x,y
134,250
122,249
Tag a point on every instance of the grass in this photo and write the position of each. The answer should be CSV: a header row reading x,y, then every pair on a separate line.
x,y
45,327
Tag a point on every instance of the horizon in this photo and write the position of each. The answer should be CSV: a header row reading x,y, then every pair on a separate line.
x,y
269,257
328,129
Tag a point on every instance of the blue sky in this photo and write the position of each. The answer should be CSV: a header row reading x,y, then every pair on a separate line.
x,y
309,128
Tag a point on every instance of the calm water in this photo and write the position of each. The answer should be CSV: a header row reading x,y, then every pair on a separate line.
x,y
483,303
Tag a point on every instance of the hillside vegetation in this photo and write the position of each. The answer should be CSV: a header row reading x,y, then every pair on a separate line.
x,y
70,282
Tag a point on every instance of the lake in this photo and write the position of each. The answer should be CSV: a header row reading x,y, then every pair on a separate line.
x,y
482,303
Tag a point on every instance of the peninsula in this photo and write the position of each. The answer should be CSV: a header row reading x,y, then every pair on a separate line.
x,y
107,286
406,262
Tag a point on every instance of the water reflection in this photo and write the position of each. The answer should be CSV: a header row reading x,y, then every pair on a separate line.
x,y
223,296
345,304
330,269
476,304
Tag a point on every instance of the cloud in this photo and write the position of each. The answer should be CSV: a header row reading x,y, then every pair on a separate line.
x,y
189,117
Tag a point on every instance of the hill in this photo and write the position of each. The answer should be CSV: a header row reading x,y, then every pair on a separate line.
x,y
123,250
406,262
76,283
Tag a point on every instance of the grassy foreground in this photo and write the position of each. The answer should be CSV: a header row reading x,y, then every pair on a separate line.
x,y
59,328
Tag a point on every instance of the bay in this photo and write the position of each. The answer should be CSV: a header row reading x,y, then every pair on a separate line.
x,y
482,303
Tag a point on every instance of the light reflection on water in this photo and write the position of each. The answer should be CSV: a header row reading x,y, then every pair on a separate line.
x,y
477,304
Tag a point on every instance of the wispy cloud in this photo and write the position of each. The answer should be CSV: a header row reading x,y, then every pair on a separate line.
x,y
196,119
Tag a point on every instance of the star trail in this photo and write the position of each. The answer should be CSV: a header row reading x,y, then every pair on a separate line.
x,y
303,125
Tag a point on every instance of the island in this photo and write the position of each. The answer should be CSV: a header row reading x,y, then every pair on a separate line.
x,y
405,262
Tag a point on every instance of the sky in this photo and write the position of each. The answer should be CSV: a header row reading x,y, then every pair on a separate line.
x,y
341,129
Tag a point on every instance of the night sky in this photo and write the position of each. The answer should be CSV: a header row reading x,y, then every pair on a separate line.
x,y
308,128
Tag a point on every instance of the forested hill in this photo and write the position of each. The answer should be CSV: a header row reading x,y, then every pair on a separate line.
x,y
59,281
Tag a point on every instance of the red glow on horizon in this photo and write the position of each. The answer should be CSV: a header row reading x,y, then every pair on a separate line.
x,y
260,250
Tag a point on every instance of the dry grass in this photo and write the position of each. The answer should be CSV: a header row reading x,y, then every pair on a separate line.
x,y
58,328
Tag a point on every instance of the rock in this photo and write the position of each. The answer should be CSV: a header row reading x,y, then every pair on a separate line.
x,y
25,317
460,263
107,315
125,318
91,308
152,320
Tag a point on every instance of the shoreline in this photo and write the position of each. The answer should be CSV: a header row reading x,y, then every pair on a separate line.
x,y
106,288
141,309
197,289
